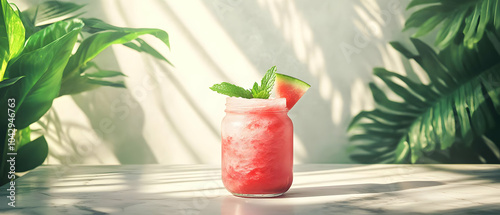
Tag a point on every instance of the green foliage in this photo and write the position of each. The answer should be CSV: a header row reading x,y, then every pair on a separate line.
x,y
76,80
42,63
229,89
266,85
452,119
37,66
261,92
11,35
32,154
8,82
462,20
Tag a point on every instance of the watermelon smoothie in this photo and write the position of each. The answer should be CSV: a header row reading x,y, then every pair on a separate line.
x,y
257,147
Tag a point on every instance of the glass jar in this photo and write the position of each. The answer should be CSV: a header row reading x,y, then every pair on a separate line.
x,y
257,147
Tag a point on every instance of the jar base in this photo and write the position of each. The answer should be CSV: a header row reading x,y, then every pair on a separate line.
x,y
258,195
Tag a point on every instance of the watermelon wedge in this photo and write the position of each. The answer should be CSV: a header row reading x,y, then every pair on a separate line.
x,y
290,88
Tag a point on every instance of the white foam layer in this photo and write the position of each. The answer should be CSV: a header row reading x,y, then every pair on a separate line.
x,y
255,104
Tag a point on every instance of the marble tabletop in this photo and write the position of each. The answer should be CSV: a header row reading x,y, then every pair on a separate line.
x,y
317,189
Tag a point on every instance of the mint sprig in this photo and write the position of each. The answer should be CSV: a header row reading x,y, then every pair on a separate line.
x,y
231,90
262,92
266,85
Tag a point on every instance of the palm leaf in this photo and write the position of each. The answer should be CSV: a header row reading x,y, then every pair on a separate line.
x,y
450,115
464,20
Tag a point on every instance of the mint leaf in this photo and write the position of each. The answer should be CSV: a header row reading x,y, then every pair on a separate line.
x,y
266,85
267,81
255,89
262,92
231,90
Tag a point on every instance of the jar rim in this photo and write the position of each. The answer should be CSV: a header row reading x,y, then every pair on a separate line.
x,y
236,104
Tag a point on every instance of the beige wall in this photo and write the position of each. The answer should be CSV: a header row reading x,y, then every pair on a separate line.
x,y
168,115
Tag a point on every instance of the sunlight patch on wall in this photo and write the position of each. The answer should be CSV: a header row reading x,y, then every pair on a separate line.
x,y
299,34
360,97
299,150
374,10
337,107
393,62
367,26
223,50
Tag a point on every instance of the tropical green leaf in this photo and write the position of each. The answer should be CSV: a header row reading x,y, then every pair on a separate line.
x,y
8,82
496,14
42,66
384,102
465,20
32,154
11,35
454,116
421,2
414,95
430,24
23,136
50,34
145,47
401,49
77,85
464,60
97,72
486,13
119,84
93,25
29,28
420,17
450,29
104,74
429,61
471,23
74,82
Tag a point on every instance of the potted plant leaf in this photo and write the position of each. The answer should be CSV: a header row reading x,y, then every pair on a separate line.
x,y
38,65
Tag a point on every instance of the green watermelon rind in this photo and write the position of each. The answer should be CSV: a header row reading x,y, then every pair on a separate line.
x,y
293,81
298,88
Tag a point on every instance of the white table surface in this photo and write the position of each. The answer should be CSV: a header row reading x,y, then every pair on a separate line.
x,y
317,189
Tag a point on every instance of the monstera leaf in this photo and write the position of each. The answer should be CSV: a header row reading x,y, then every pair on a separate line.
x,y
465,20
446,120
